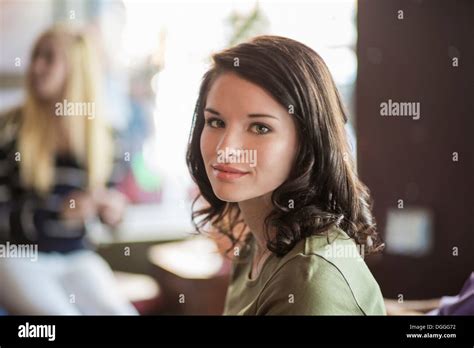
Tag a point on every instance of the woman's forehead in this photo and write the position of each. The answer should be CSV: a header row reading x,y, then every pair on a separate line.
x,y
230,91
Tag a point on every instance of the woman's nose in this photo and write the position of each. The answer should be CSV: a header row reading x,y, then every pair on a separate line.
x,y
231,140
39,66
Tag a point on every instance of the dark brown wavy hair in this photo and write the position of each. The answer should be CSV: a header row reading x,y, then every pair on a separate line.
x,y
322,189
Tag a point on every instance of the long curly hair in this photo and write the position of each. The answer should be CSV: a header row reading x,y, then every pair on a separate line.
x,y
322,190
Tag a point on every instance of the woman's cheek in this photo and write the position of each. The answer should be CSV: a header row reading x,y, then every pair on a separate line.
x,y
274,160
206,145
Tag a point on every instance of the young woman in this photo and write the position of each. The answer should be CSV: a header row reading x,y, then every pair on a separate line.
x,y
55,165
269,152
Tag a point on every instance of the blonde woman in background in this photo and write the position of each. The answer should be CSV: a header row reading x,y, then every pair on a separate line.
x,y
56,159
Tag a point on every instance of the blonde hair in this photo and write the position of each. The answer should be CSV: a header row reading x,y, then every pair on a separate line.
x,y
89,139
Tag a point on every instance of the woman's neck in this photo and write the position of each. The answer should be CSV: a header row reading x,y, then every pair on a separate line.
x,y
254,212
62,145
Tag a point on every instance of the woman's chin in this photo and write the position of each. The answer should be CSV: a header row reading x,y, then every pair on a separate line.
x,y
230,195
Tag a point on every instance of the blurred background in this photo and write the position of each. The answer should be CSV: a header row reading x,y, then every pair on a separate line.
x,y
153,55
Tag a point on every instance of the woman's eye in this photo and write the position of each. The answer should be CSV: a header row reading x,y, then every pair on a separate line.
x,y
260,129
215,123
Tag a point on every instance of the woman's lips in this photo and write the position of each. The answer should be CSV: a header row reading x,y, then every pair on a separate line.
x,y
227,173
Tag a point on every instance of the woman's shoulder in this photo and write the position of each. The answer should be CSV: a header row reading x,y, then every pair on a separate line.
x,y
331,275
331,246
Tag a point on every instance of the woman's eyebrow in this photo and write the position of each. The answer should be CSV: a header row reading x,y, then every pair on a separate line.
x,y
263,115
212,111
253,115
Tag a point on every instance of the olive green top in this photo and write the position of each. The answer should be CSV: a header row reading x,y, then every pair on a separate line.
x,y
321,275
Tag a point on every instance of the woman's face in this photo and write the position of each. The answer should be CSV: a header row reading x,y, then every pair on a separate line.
x,y
249,140
48,70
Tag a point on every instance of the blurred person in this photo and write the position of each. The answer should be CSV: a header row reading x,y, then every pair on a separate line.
x,y
460,304
270,154
56,162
